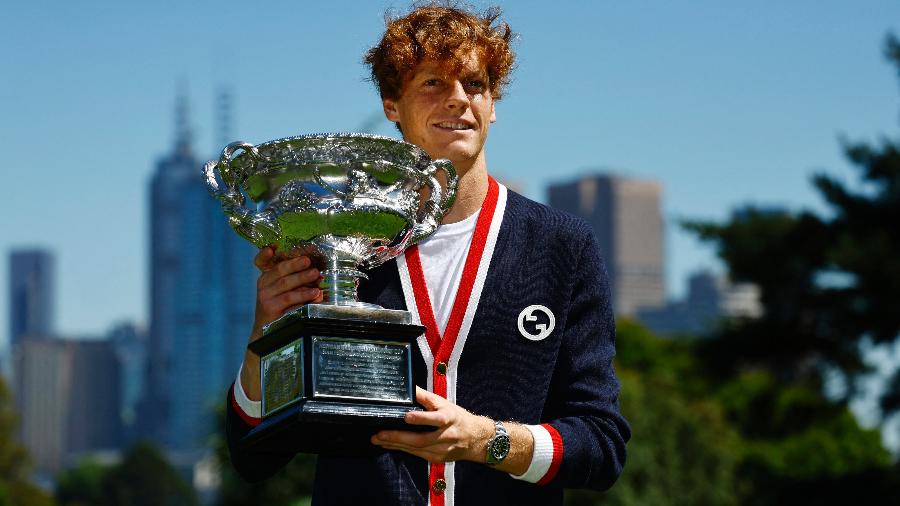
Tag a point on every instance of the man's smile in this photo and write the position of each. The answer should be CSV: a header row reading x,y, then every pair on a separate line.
x,y
453,125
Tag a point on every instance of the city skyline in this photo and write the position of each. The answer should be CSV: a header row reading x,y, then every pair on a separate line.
x,y
721,104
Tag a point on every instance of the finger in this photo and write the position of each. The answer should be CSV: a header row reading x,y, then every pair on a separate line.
x,y
434,418
299,296
429,400
282,269
264,259
293,265
307,278
278,305
405,438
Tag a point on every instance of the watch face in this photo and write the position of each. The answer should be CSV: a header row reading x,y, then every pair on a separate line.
x,y
500,447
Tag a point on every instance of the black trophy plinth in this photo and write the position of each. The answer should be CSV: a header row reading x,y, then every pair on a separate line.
x,y
332,376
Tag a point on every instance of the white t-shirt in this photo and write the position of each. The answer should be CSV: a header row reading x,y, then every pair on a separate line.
x,y
443,257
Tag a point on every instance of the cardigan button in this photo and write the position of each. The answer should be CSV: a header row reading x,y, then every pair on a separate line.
x,y
442,368
439,486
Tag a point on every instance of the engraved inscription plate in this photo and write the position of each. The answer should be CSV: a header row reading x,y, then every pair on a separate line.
x,y
360,369
282,377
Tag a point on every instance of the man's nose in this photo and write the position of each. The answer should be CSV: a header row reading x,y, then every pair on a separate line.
x,y
457,97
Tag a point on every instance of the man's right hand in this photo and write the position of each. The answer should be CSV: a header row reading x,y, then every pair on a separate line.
x,y
285,284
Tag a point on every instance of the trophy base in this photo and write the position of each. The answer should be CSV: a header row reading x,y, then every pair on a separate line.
x,y
333,376
327,428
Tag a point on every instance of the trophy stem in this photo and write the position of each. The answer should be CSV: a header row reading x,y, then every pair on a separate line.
x,y
341,280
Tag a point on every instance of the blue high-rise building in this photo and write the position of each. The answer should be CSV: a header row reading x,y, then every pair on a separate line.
x,y
31,297
202,294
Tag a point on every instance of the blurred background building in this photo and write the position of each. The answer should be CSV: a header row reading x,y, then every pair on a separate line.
x,y
627,220
710,298
130,344
31,294
67,394
626,217
202,292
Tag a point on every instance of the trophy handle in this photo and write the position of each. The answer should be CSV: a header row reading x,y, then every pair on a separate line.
x,y
224,182
439,202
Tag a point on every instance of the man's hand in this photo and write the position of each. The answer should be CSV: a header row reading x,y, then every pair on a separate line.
x,y
460,435
285,284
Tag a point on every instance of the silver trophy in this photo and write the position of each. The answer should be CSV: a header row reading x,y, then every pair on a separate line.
x,y
333,373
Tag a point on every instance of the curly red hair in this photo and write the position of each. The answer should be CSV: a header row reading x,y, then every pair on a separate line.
x,y
443,33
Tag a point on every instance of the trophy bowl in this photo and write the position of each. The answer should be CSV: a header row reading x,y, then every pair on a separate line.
x,y
333,373
350,200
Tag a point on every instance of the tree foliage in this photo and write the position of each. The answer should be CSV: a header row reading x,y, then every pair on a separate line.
x,y
15,485
683,451
81,485
828,281
143,478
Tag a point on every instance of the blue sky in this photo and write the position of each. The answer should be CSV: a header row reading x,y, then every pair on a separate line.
x,y
723,103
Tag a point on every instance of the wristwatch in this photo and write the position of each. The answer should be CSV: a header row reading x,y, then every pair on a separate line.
x,y
498,446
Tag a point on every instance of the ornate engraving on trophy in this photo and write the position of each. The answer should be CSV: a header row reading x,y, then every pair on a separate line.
x,y
378,370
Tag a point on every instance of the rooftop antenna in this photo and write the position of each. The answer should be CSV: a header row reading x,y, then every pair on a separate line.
x,y
224,116
183,132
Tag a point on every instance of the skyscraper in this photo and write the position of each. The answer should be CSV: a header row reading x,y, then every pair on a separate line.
x,y
625,214
67,394
202,293
30,294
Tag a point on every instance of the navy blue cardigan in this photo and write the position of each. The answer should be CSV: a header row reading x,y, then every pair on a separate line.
x,y
566,380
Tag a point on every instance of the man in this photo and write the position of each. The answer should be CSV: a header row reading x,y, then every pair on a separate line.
x,y
520,334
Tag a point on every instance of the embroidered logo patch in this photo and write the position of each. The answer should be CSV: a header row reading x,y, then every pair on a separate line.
x,y
543,329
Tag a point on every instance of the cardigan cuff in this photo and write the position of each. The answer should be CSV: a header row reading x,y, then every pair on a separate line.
x,y
250,411
542,456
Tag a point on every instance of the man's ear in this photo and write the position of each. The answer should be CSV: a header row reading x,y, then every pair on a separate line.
x,y
493,112
390,110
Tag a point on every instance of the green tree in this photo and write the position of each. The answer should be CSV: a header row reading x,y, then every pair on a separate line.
x,y
81,485
15,486
683,451
145,478
828,282
798,447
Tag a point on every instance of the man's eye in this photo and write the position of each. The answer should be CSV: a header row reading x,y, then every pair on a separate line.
x,y
432,82
476,84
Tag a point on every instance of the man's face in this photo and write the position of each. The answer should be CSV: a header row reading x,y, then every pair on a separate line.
x,y
447,116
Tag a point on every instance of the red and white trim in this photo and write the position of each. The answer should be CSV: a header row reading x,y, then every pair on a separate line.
x,y
448,347
249,411
547,456
557,454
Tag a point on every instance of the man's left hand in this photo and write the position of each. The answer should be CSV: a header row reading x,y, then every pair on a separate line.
x,y
460,435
